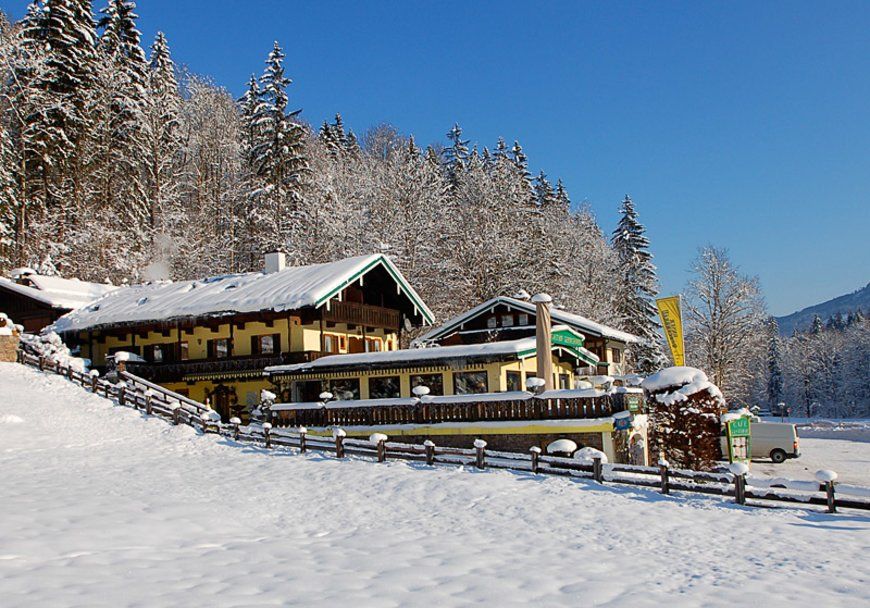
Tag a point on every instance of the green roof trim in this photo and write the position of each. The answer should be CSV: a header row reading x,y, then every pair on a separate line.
x,y
397,276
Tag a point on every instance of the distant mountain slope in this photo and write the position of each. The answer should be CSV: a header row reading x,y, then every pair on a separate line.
x,y
802,319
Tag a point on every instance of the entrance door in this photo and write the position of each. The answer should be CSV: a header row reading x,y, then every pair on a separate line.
x,y
356,345
221,402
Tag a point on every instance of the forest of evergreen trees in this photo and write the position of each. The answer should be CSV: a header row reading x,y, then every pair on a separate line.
x,y
115,164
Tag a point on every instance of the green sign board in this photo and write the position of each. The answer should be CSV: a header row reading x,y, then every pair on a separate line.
x,y
739,439
566,338
739,427
633,402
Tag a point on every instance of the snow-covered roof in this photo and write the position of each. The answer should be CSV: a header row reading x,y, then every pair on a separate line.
x,y
522,348
581,324
289,289
57,292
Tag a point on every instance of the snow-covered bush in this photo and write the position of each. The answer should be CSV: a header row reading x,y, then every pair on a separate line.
x,y
587,455
684,410
49,345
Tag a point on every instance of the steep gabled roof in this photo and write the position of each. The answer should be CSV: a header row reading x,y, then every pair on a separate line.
x,y
574,321
56,292
289,289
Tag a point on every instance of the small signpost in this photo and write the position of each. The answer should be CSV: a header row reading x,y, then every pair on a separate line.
x,y
633,401
739,438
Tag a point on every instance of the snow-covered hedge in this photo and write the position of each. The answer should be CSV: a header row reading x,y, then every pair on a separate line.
x,y
48,344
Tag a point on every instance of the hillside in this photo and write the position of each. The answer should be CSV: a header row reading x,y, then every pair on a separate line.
x,y
103,506
802,319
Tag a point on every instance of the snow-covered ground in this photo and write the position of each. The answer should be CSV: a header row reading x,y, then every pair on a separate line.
x,y
102,507
841,445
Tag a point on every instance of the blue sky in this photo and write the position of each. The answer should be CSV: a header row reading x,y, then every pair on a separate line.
x,y
744,125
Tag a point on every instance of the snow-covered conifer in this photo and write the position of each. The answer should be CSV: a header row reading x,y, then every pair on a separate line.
x,y
640,287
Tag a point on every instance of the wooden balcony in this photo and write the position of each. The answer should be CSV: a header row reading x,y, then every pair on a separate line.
x,y
176,370
363,314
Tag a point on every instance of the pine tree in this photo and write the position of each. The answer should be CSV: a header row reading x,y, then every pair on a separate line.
x,y
120,191
456,155
544,195
561,198
774,365
640,283
59,35
163,143
279,160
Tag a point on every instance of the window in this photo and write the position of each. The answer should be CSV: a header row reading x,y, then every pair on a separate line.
x,y
330,343
269,345
342,343
523,319
384,388
507,320
155,353
465,383
344,388
373,345
219,348
434,382
514,381
183,351
564,381
491,322
616,355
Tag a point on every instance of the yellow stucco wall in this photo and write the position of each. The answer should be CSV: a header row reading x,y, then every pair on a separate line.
x,y
295,337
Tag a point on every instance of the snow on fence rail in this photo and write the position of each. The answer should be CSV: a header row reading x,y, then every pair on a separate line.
x,y
155,400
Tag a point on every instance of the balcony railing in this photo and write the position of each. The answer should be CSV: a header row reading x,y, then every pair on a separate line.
x,y
363,314
176,370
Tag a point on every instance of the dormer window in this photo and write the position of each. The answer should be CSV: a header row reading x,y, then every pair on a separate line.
x,y
522,319
491,323
507,320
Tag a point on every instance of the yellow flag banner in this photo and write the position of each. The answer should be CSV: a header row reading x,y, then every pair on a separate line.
x,y
672,322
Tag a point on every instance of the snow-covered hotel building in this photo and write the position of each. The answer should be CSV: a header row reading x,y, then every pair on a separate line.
x,y
212,338
327,327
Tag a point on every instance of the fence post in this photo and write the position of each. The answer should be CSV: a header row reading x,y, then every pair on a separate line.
x,y
597,474
379,439
339,435
236,422
828,478
267,433
663,471
535,452
149,397
95,377
430,452
41,363
480,446
122,392
302,445
176,412
739,470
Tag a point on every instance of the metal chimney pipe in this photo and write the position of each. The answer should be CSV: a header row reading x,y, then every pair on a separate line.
x,y
543,335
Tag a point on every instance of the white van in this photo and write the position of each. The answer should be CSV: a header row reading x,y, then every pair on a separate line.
x,y
775,440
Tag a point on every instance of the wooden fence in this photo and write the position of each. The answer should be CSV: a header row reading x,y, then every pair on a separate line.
x,y
155,400
421,412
